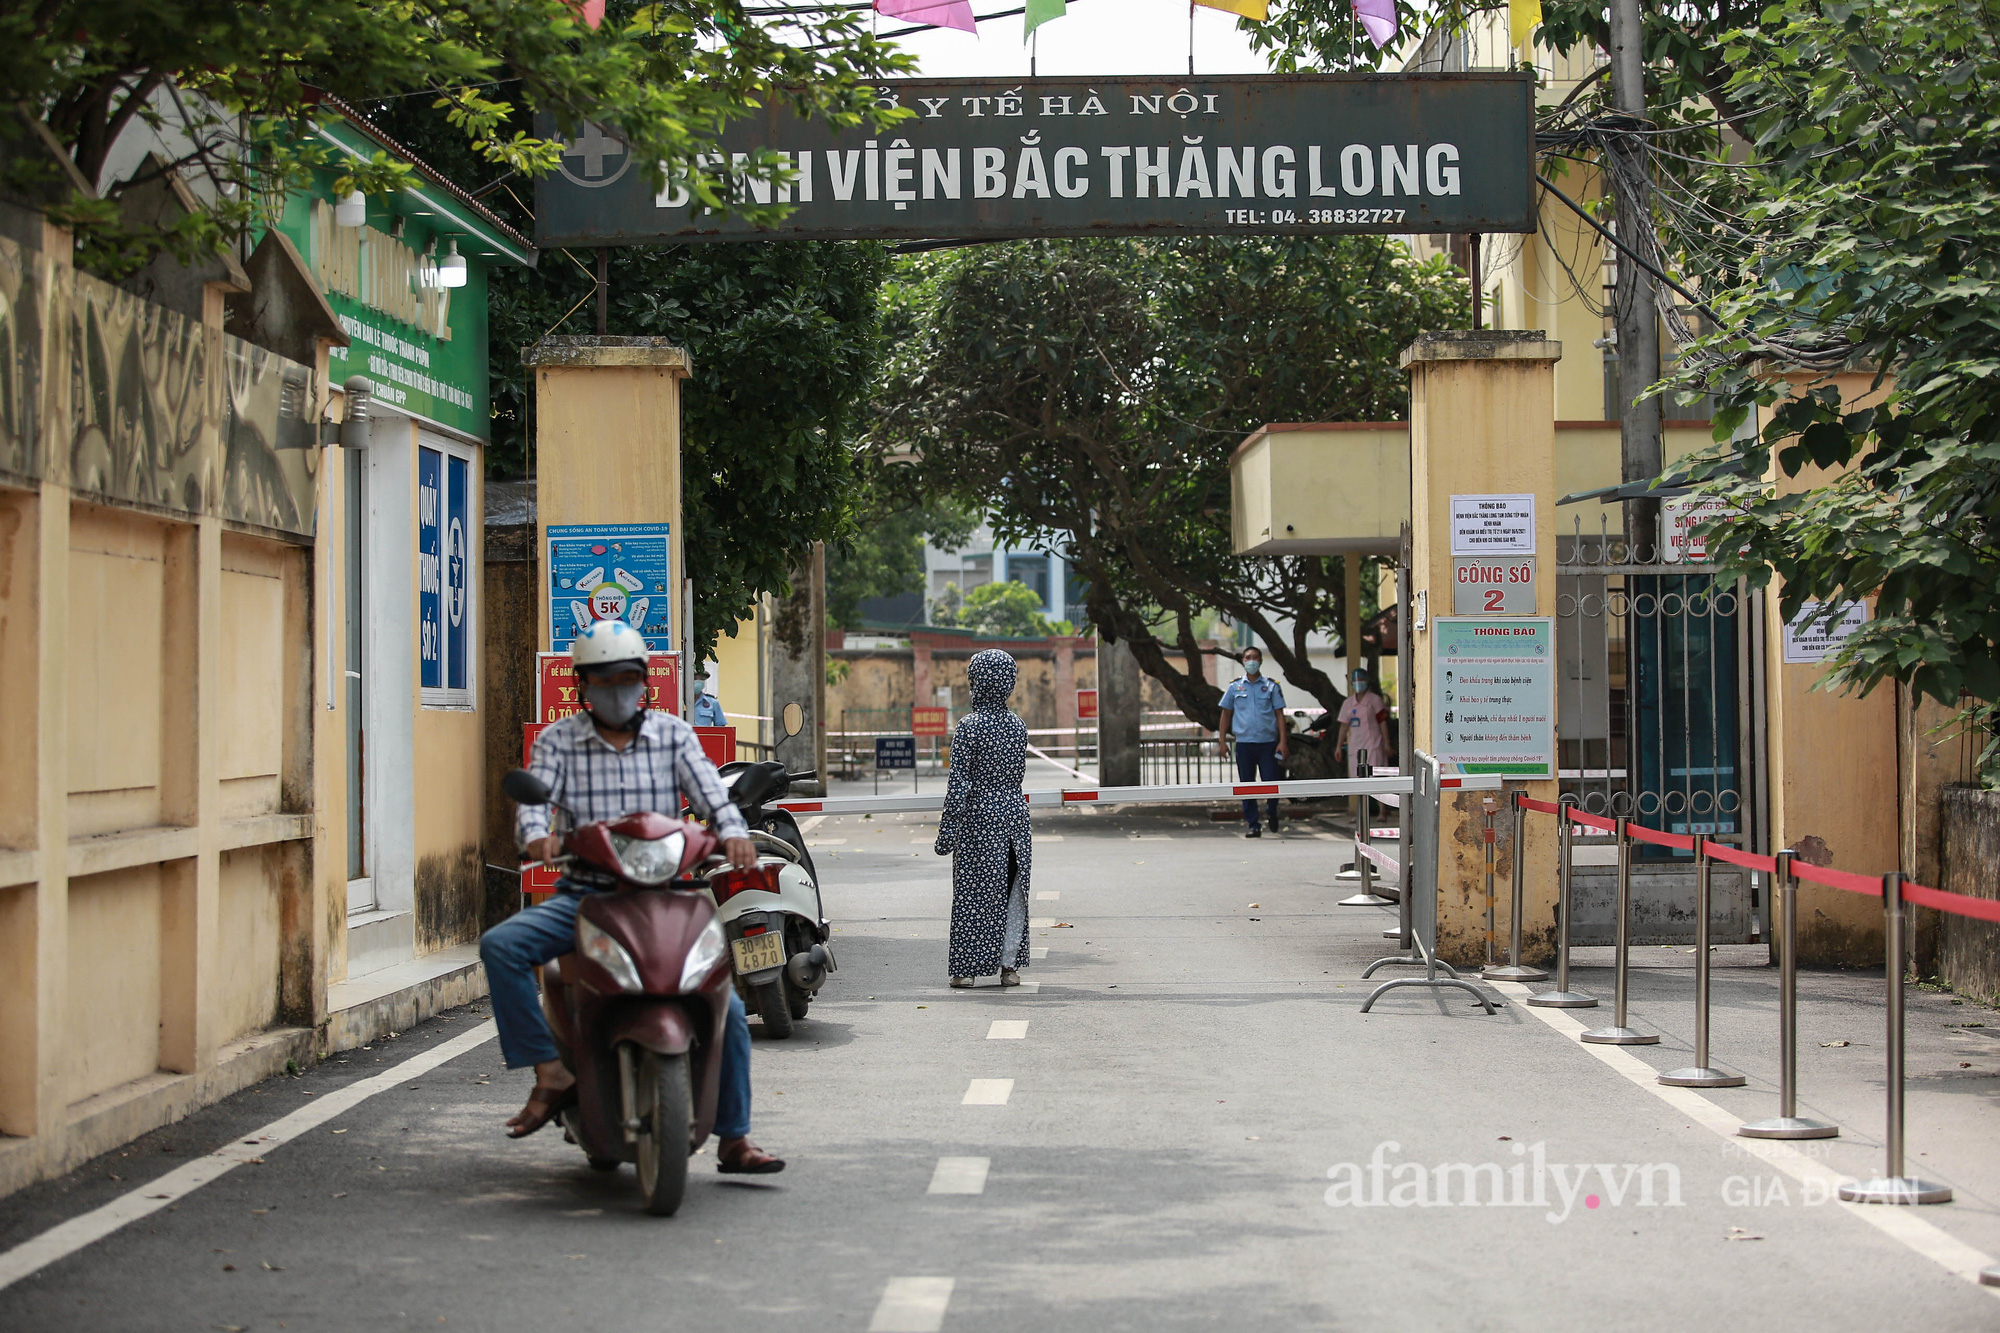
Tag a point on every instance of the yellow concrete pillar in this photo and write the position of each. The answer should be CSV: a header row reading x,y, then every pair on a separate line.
x,y
1482,421
608,445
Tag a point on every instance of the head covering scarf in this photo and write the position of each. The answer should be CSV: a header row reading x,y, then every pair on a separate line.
x,y
991,674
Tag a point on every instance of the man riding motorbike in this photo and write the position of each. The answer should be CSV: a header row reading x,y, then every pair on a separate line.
x,y
614,757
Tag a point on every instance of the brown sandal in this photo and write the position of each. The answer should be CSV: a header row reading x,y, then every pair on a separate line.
x,y
544,1105
748,1160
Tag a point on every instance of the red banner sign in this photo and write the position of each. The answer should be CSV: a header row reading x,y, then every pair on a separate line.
x,y
929,721
1086,705
555,685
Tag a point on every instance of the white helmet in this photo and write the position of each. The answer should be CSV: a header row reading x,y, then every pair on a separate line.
x,y
606,644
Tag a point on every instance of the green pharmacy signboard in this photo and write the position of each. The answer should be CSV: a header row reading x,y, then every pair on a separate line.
x,y
420,343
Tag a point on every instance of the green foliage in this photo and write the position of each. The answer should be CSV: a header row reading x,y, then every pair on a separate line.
x,y
1092,392
231,89
1006,608
882,553
1874,221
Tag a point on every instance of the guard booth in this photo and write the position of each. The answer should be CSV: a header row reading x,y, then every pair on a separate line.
x,y
1659,678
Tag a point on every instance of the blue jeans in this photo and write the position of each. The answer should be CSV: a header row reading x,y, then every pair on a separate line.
x,y
547,930
1257,761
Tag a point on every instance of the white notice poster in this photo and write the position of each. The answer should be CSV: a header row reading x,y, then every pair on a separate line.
x,y
1809,638
1493,525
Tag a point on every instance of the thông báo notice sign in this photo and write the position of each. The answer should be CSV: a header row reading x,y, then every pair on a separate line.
x,y
1493,698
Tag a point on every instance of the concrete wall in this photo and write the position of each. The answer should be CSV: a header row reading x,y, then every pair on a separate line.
x,y
879,679
161,938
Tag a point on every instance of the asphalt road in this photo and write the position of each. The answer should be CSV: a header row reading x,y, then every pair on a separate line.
x,y
1154,1151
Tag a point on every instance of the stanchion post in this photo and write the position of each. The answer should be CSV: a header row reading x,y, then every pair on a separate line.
x,y
1514,971
1788,1123
1700,1075
1562,997
1893,1186
1362,865
1619,1034
1488,806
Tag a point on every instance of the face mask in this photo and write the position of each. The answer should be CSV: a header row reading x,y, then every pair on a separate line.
x,y
615,705
1252,667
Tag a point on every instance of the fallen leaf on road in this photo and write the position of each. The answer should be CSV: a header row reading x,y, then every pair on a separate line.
x,y
1064,925
1964,1065
159,1196
340,1131
254,1161
1738,1233
1256,904
229,1268
341,1195
1835,1043
270,1267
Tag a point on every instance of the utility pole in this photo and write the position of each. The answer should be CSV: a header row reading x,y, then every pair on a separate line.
x,y
1638,320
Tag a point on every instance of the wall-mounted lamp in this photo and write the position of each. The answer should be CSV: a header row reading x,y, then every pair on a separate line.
x,y
451,268
352,211
354,425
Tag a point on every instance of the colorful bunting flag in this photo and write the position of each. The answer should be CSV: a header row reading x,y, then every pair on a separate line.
x,y
937,13
1259,10
1523,17
1040,12
1378,20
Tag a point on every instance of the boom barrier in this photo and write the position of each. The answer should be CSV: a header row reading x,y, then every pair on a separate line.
x,y
1382,784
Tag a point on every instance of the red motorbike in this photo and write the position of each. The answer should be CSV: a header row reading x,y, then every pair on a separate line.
x,y
638,1009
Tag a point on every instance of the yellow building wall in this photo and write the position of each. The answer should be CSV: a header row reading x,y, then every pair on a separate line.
x,y
739,679
450,887
112,1032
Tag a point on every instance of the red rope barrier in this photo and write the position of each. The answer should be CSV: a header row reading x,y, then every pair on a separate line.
x,y
1592,821
1984,909
1644,834
1545,807
1722,851
1847,880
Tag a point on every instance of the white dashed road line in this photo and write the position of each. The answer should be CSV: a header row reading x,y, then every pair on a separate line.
x,y
1007,1029
62,1241
912,1305
960,1175
988,1092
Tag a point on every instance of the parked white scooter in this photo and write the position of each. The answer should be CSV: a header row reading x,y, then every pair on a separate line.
x,y
778,931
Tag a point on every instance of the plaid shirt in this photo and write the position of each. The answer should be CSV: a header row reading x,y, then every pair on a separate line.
x,y
597,782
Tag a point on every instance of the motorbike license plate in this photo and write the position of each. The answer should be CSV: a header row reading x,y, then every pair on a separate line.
x,y
754,953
